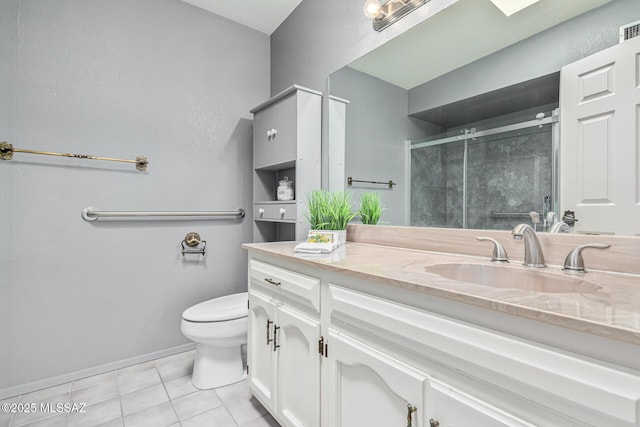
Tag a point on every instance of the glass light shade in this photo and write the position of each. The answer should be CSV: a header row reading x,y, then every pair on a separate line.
x,y
371,8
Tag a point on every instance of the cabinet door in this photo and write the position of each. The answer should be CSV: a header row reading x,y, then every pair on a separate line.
x,y
260,352
452,408
368,388
274,133
298,369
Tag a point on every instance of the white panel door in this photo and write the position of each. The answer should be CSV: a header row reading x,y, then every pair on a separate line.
x,y
599,110
260,353
368,388
298,369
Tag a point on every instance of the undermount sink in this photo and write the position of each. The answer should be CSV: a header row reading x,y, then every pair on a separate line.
x,y
502,276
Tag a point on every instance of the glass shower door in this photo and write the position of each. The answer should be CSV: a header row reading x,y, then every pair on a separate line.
x,y
437,173
488,179
509,175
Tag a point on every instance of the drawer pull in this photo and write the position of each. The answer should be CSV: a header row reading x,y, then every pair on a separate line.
x,y
273,282
275,337
269,339
410,410
261,211
283,211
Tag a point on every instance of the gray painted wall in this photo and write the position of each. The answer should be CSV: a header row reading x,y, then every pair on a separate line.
x,y
377,129
118,78
322,36
542,54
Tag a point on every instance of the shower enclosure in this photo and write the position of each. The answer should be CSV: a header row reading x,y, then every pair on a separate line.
x,y
490,176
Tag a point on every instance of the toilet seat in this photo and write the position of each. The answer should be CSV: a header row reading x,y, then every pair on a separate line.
x,y
220,309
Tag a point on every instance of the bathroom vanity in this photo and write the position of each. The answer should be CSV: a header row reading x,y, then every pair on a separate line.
x,y
385,335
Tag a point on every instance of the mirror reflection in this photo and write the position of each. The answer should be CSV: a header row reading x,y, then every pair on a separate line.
x,y
476,147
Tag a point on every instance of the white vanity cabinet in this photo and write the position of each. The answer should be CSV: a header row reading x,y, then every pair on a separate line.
x,y
369,388
380,355
284,331
394,386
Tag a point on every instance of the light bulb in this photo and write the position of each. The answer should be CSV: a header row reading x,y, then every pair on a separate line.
x,y
371,8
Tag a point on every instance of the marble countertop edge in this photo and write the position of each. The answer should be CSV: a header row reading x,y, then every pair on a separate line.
x,y
612,311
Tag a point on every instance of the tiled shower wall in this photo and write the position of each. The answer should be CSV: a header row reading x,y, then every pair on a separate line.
x,y
509,173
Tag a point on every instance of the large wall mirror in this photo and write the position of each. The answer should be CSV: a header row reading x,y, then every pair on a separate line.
x,y
462,114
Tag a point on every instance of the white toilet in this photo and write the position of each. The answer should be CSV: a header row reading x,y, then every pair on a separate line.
x,y
219,327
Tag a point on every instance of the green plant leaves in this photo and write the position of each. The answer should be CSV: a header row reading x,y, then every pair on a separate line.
x,y
329,210
370,208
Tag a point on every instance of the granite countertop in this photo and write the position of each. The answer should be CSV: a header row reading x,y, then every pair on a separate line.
x,y
600,303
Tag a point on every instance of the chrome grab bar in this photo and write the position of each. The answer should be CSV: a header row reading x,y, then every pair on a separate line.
x,y
90,214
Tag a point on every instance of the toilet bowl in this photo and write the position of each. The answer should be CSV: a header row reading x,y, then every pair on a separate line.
x,y
219,328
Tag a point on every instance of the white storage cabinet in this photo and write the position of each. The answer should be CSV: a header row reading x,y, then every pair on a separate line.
x,y
286,143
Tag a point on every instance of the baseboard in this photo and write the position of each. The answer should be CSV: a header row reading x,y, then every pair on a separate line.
x,y
18,390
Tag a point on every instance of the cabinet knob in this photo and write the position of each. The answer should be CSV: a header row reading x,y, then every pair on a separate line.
x,y
433,423
261,211
283,211
271,133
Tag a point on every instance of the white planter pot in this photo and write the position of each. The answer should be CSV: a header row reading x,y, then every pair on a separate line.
x,y
342,236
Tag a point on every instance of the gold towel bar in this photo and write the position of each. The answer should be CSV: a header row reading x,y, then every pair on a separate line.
x,y
7,150
390,183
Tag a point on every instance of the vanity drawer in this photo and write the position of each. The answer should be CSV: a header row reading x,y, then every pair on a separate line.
x,y
299,287
285,212
275,133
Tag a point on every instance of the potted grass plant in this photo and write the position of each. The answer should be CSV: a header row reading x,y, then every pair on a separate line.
x,y
330,211
318,207
370,208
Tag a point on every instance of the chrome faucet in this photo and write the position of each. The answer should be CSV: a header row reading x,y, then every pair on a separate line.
x,y
575,262
560,227
499,253
533,256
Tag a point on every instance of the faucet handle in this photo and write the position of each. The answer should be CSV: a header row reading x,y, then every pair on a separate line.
x,y
560,227
574,261
499,252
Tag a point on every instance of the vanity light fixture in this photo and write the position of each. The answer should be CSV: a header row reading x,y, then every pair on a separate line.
x,y
388,13
509,7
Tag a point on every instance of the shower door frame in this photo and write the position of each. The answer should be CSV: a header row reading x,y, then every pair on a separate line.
x,y
553,120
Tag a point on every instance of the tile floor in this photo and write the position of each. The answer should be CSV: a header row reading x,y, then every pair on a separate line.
x,y
154,394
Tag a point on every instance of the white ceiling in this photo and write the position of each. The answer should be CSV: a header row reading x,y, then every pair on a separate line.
x,y
462,33
262,15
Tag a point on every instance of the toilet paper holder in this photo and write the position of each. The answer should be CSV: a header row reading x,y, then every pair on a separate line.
x,y
193,240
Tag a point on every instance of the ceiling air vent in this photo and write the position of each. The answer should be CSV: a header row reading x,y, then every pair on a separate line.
x,y
629,31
